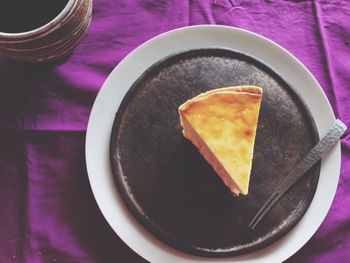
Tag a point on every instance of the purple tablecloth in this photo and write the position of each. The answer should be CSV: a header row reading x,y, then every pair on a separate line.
x,y
48,212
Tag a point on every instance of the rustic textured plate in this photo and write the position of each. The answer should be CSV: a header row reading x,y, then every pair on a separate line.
x,y
171,189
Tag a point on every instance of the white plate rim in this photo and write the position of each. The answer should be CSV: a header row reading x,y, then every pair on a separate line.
x,y
132,66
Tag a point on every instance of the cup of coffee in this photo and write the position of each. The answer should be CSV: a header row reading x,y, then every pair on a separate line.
x,y
42,30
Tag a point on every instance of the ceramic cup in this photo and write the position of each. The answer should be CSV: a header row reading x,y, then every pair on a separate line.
x,y
53,39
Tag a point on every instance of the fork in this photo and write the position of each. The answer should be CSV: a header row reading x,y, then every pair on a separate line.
x,y
322,147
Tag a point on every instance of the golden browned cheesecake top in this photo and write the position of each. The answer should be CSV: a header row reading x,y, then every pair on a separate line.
x,y
226,120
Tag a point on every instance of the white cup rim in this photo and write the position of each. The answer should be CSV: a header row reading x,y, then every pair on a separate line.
x,y
42,28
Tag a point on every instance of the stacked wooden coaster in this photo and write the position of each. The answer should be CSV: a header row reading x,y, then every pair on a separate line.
x,y
52,40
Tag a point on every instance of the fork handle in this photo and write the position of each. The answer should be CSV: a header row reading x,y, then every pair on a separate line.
x,y
321,148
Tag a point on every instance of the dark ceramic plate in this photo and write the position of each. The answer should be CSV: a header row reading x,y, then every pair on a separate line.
x,y
172,190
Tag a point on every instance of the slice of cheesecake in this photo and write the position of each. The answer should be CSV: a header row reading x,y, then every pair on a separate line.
x,y
222,124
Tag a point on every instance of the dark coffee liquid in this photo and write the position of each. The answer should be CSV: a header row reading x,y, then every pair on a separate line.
x,y
24,15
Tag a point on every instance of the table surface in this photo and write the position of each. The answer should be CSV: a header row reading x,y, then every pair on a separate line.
x,y
48,212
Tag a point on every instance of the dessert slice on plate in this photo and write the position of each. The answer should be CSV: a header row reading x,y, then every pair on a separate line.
x,y
222,124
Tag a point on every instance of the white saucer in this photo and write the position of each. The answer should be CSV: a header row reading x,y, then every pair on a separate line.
x,y
131,67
